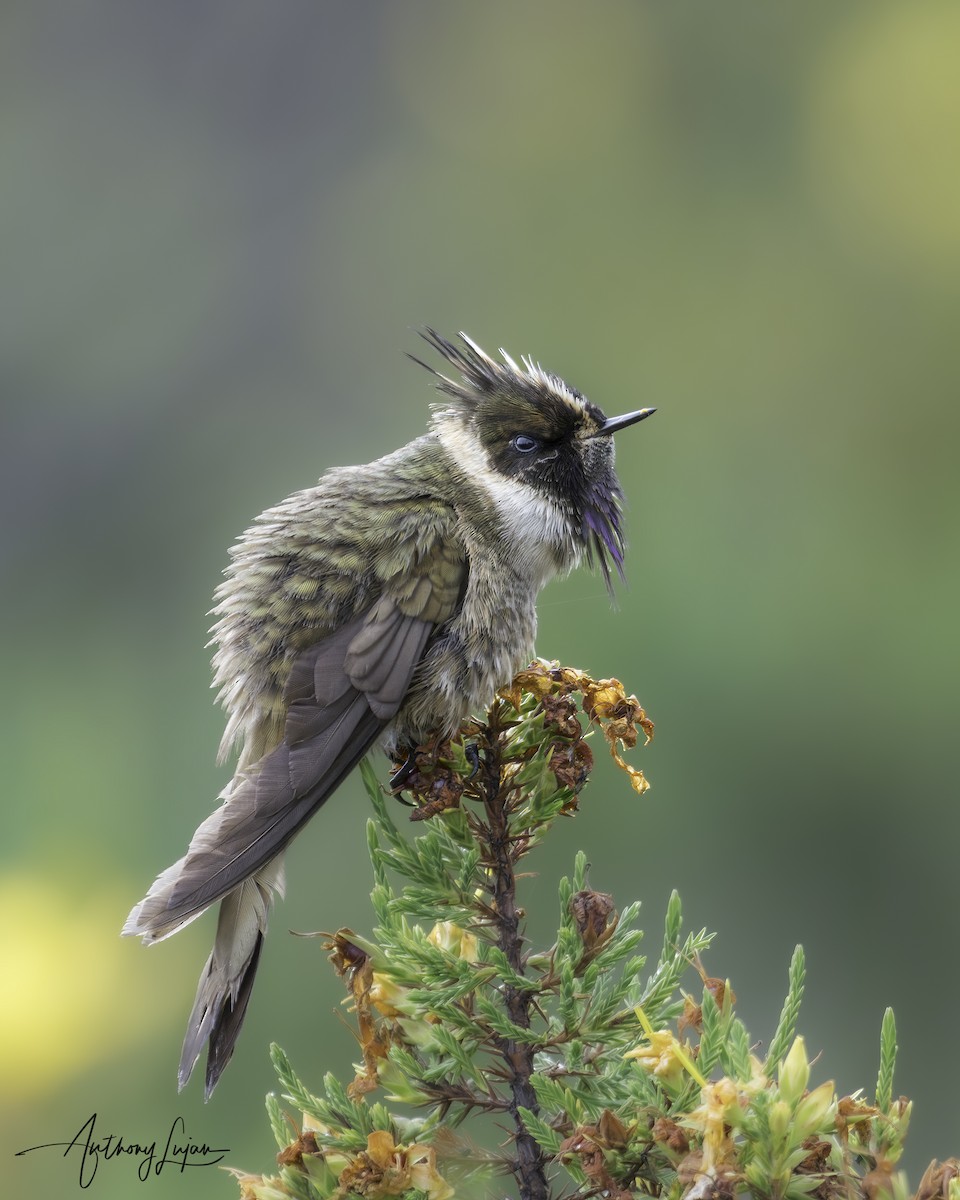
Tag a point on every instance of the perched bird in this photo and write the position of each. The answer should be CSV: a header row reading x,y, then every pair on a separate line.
x,y
381,606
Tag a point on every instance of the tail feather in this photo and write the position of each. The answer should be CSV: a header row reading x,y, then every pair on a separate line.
x,y
227,978
223,1036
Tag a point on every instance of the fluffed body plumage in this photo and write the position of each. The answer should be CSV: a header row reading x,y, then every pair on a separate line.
x,y
381,606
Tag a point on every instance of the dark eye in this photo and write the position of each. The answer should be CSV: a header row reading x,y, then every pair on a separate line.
x,y
524,444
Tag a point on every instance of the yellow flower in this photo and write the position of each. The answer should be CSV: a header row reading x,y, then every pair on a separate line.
x,y
424,1174
718,1111
446,935
386,995
662,1055
259,1187
794,1073
814,1110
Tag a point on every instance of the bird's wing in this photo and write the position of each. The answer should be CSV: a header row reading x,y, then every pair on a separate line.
x,y
341,693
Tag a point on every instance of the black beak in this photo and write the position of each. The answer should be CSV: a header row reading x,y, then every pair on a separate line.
x,y
615,423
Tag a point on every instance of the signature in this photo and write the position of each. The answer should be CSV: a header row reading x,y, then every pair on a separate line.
x,y
93,1149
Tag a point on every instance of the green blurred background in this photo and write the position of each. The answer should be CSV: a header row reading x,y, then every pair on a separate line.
x,y
222,223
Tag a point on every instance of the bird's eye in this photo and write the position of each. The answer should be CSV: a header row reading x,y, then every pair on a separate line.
x,y
524,444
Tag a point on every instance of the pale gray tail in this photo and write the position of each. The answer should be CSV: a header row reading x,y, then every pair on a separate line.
x,y
227,979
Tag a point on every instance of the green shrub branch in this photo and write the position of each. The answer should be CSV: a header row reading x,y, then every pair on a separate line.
x,y
491,1068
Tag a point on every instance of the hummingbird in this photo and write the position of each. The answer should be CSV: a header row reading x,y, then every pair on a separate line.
x,y
381,606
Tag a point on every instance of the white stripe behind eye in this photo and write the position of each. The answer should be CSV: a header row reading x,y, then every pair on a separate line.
x,y
542,541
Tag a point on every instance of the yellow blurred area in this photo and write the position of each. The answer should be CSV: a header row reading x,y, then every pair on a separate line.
x,y
68,997
591,106
884,105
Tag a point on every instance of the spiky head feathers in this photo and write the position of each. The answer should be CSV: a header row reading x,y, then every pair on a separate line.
x,y
499,387
537,430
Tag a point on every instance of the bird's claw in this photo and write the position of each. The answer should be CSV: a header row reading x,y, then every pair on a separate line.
x,y
472,754
402,774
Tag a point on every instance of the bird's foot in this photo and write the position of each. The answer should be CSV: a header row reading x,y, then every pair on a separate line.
x,y
471,752
402,775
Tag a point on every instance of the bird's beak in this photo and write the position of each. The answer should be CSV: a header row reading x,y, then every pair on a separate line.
x,y
614,423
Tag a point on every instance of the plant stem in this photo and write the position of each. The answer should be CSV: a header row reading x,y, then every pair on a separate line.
x,y
529,1165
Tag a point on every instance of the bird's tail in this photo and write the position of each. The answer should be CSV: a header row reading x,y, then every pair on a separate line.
x,y
227,978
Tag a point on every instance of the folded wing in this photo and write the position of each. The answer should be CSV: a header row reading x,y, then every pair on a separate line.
x,y
340,695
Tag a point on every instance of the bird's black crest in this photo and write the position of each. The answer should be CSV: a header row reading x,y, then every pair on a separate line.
x,y
482,373
484,376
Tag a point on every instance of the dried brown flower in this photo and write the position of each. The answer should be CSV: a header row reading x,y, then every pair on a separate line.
x,y
671,1135
935,1184
621,717
588,1144
596,918
292,1155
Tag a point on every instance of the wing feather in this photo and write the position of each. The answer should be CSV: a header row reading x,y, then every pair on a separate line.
x,y
342,692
